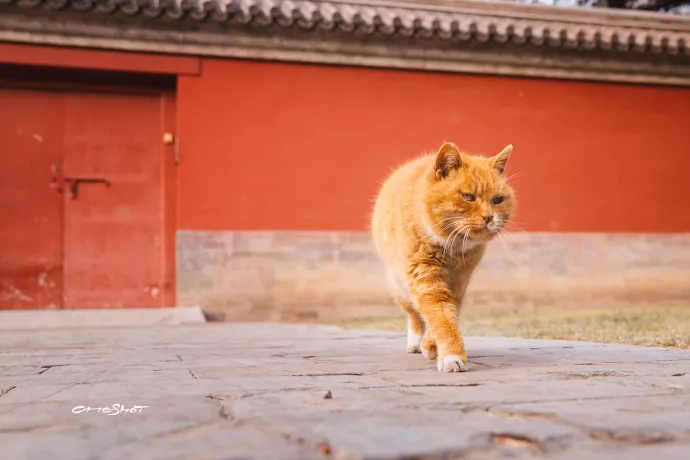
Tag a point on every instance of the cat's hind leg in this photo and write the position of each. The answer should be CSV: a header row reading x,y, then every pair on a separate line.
x,y
415,325
428,346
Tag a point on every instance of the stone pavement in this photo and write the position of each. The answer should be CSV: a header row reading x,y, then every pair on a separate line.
x,y
267,391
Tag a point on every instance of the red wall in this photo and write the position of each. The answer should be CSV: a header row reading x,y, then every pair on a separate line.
x,y
274,146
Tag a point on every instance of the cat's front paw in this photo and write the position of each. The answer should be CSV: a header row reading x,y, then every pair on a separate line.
x,y
452,363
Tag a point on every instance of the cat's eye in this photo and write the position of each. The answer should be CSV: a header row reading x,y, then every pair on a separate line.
x,y
497,200
469,196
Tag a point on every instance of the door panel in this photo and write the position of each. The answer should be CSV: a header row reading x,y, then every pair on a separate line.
x,y
31,137
113,231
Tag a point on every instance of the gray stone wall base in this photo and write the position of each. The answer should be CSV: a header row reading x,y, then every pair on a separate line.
x,y
280,275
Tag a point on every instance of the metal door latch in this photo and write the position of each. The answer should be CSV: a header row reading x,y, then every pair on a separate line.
x,y
74,183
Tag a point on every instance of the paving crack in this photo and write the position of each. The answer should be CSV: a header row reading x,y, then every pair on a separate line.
x,y
186,432
589,375
518,415
661,362
617,437
224,411
511,440
50,366
4,391
28,429
593,398
244,395
302,437
427,385
329,374
596,434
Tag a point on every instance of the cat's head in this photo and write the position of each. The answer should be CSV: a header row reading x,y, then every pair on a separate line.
x,y
468,197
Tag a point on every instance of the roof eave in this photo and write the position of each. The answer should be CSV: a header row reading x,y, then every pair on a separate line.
x,y
647,48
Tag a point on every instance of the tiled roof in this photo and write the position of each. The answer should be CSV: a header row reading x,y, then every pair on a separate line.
x,y
439,19
664,6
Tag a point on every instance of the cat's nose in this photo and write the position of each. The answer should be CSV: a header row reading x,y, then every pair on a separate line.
x,y
488,219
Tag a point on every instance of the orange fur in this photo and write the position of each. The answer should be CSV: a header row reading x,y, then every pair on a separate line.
x,y
431,222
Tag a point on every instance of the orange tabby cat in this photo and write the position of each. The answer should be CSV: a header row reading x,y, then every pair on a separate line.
x,y
432,220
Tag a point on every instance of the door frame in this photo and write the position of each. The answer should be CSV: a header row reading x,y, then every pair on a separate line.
x,y
77,80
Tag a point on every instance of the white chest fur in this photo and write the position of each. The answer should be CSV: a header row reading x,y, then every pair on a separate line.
x,y
459,245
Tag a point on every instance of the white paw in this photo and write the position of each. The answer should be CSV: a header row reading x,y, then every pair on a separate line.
x,y
413,341
451,363
429,354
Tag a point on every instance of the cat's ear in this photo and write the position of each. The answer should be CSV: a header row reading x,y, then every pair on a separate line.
x,y
499,161
447,160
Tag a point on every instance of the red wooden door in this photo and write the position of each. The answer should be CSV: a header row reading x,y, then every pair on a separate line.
x,y
83,217
114,232
31,133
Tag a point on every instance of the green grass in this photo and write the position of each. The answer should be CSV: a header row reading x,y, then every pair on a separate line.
x,y
661,326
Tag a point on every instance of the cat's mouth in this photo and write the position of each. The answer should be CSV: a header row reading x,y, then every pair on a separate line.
x,y
474,230
488,229
482,232
492,227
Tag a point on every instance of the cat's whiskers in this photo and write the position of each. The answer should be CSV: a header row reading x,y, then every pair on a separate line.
x,y
447,218
510,223
449,225
451,241
461,230
445,246
464,241
503,242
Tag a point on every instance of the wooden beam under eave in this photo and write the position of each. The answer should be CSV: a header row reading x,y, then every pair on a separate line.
x,y
77,58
